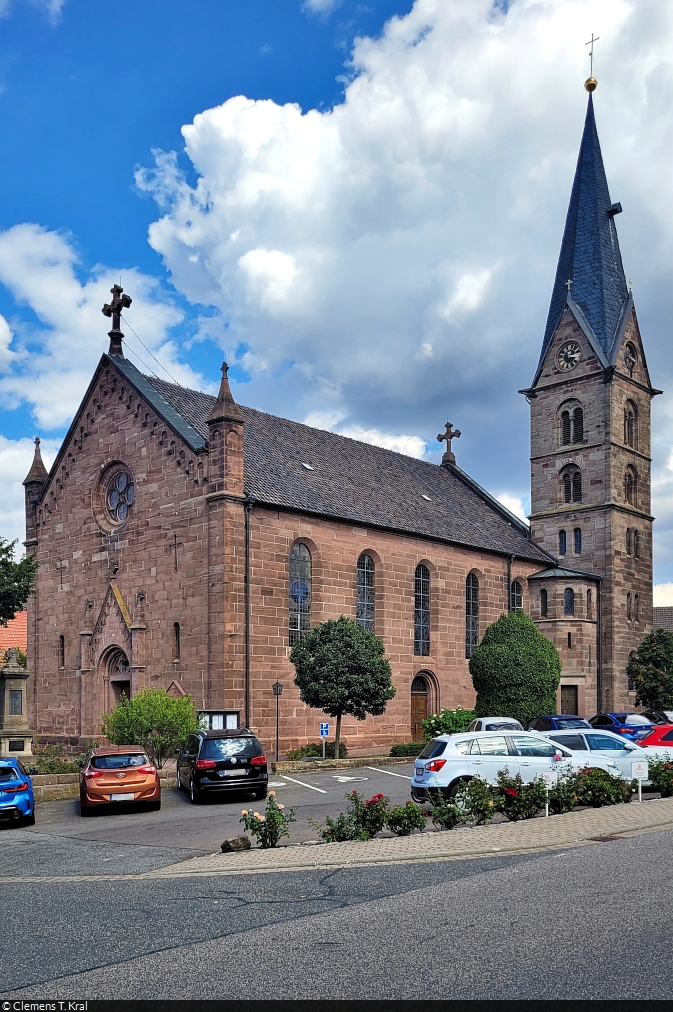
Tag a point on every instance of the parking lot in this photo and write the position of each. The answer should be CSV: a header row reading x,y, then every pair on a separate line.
x,y
195,829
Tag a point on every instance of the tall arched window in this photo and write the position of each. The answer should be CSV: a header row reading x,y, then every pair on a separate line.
x,y
629,614
568,601
630,486
422,611
471,614
571,480
629,541
630,425
577,541
543,603
636,607
636,544
176,641
590,604
300,591
565,428
61,651
578,425
366,599
515,596
562,543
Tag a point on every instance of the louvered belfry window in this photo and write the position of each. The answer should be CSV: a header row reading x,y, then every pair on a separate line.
x,y
300,592
578,425
366,593
422,611
471,614
565,428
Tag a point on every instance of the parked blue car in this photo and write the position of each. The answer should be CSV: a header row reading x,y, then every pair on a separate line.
x,y
17,801
558,722
628,725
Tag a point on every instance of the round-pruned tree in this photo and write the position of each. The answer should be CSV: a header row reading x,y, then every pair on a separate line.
x,y
341,669
515,670
153,719
650,670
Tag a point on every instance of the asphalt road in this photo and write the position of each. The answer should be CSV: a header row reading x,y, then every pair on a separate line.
x,y
586,923
196,829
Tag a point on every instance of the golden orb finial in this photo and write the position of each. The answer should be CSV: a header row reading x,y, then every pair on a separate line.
x,y
591,84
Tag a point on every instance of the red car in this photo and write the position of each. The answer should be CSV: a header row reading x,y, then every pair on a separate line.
x,y
662,734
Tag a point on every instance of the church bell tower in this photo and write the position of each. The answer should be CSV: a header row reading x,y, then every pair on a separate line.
x,y
590,428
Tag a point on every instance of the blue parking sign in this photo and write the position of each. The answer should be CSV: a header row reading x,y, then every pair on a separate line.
x,y
324,730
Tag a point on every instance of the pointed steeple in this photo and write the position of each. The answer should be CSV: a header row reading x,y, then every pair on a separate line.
x,y
590,259
38,472
225,407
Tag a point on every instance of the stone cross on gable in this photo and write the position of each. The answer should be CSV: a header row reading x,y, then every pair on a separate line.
x,y
446,437
114,309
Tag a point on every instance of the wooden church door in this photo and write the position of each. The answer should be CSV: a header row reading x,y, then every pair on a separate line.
x,y
419,706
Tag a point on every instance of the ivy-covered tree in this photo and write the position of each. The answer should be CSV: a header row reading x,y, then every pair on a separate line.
x,y
651,671
341,669
515,670
16,580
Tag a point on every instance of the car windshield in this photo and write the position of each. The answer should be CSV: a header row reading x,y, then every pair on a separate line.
x,y
8,773
635,718
563,722
604,743
503,725
121,761
223,748
433,749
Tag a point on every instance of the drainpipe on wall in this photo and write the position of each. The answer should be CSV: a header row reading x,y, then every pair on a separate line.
x,y
249,503
510,560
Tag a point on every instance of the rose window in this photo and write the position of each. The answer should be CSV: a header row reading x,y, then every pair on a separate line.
x,y
119,496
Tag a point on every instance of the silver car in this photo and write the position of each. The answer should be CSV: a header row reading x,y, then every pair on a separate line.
x,y
494,724
604,743
448,761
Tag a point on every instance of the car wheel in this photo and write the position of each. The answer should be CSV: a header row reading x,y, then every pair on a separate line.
x,y
180,784
193,794
261,794
455,787
29,820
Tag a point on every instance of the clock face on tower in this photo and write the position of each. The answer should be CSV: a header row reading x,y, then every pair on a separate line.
x,y
569,355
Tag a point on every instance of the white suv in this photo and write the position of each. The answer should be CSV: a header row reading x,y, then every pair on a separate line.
x,y
449,760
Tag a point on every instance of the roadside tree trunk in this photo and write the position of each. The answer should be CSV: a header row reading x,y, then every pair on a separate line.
x,y
337,738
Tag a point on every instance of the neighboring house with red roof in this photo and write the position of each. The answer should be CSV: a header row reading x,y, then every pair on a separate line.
x,y
14,634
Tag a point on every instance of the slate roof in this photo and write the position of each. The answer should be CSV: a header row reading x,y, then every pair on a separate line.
x,y
352,481
559,572
590,255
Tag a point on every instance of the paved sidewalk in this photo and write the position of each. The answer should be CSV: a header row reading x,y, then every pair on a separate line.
x,y
531,834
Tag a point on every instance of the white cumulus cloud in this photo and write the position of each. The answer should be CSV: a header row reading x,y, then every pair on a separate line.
x,y
16,456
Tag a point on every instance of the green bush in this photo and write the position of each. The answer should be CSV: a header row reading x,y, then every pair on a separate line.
x,y
338,830
310,750
661,775
563,794
403,820
475,799
411,748
596,788
515,670
445,813
447,722
361,821
270,826
517,800
152,719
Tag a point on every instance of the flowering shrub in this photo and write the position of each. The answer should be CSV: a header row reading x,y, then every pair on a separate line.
x,y
596,788
445,813
447,722
475,799
661,776
517,800
270,826
361,821
404,819
563,794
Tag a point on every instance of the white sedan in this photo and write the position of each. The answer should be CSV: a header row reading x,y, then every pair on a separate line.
x,y
609,745
450,760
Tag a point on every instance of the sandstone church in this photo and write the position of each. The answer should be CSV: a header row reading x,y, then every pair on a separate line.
x,y
185,541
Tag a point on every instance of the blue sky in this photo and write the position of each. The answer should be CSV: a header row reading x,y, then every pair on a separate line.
x,y
359,204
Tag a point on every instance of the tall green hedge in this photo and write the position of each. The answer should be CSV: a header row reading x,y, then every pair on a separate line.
x,y
515,670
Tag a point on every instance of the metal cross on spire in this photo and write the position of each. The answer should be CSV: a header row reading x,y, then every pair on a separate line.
x,y
446,437
114,309
591,52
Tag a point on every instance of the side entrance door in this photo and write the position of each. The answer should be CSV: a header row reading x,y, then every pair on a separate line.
x,y
569,699
419,706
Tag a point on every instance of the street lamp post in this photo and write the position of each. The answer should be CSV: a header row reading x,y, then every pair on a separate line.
x,y
277,691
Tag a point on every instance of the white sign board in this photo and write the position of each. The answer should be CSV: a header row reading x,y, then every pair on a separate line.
x,y
550,778
324,730
639,770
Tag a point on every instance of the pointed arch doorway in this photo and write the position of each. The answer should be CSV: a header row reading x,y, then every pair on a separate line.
x,y
118,674
420,690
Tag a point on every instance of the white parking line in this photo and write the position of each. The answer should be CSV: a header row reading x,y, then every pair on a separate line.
x,y
278,783
377,770
302,784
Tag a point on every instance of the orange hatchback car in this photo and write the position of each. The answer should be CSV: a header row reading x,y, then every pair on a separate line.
x,y
116,774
